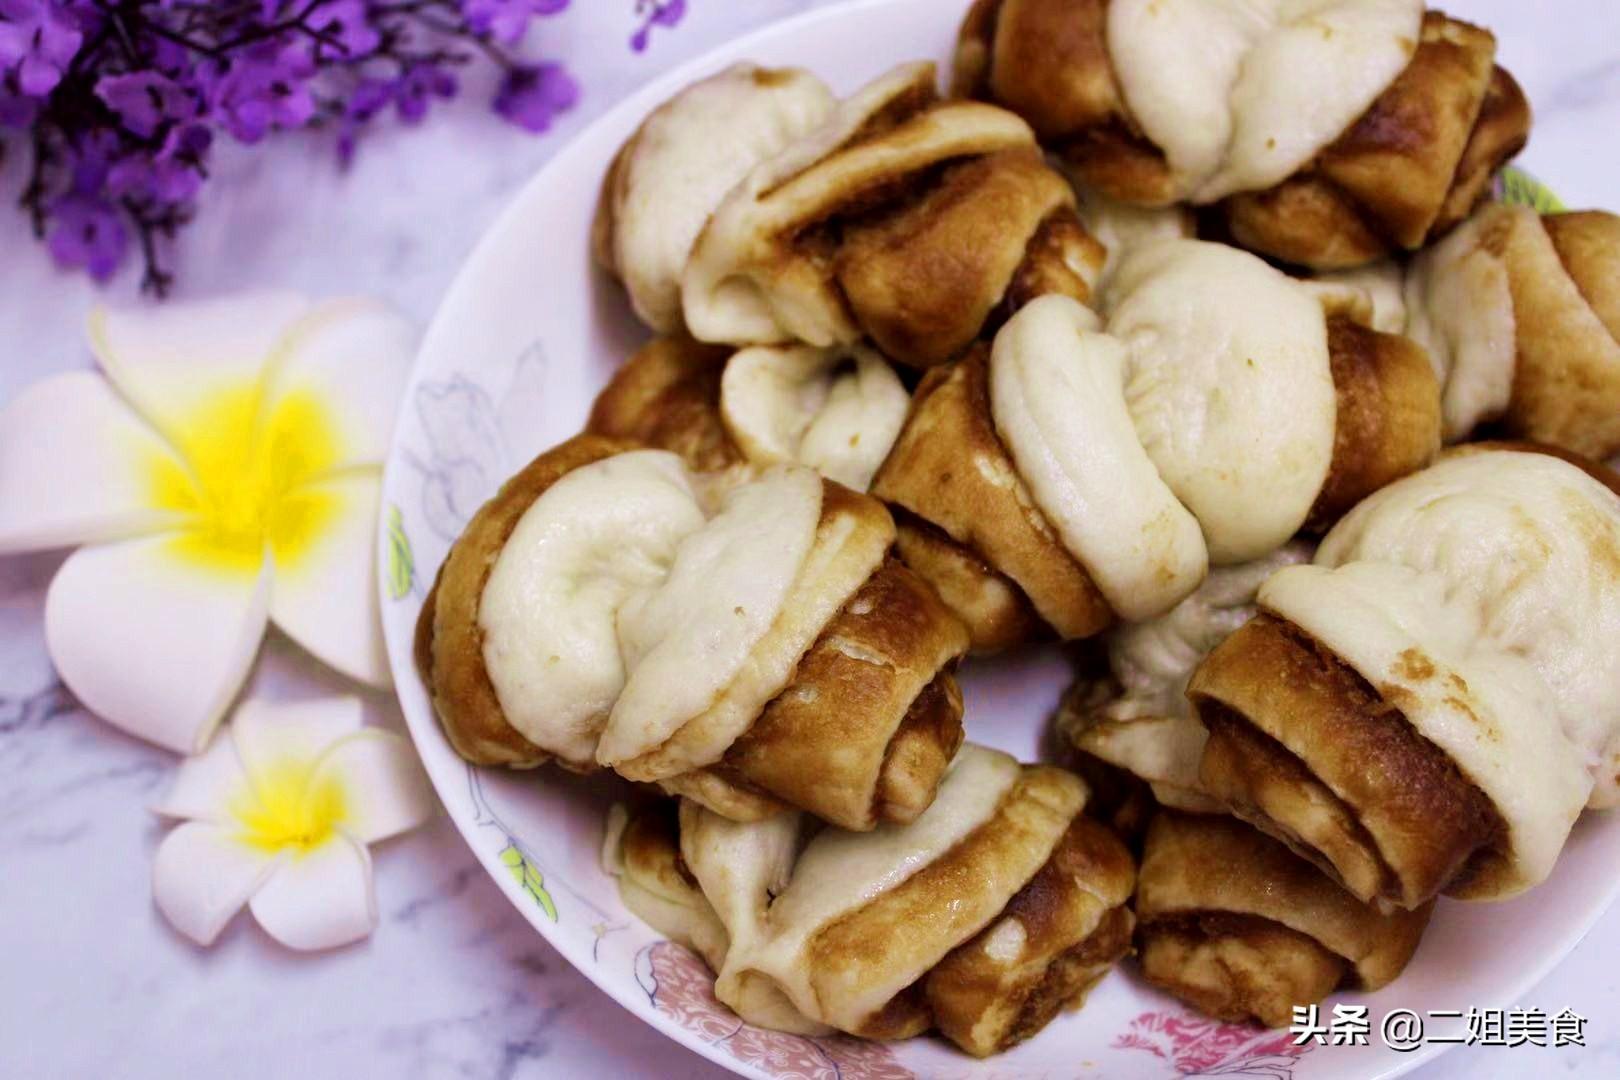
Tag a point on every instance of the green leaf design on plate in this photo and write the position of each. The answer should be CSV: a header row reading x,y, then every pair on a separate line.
x,y
1519,188
401,563
528,877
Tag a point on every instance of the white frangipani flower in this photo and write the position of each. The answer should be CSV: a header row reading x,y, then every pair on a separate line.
x,y
224,473
276,814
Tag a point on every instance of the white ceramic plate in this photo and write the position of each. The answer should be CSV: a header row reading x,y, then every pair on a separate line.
x,y
527,334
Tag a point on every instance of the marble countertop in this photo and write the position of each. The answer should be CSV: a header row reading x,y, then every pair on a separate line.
x,y
455,982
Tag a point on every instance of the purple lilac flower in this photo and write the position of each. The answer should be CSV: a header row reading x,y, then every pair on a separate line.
x,y
531,95
17,111
265,88
418,85
173,175
121,120
345,25
666,13
144,100
39,40
87,232
370,97
171,58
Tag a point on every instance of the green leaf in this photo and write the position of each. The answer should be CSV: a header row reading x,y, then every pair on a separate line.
x,y
401,563
1519,188
528,877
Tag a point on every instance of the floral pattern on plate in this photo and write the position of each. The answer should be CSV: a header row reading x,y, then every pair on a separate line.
x,y
1193,1045
680,985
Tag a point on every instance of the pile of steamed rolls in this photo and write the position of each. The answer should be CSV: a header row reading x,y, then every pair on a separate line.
x,y
1176,328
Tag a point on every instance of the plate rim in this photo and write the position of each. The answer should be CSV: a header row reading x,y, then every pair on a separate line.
x,y
625,113
634,105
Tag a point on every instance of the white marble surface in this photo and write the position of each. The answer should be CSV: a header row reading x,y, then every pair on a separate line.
x,y
454,982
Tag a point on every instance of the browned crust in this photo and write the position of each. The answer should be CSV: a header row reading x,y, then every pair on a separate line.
x,y
862,733
1113,159
667,395
1408,169
872,717
922,277
1411,167
1306,750
847,518
995,610
927,739
724,791
919,248
970,65
1046,60
1588,244
1074,928
918,922
1562,271
1237,968
604,223
1387,423
1233,921
1306,221
1500,132
449,643
651,849
1398,160
949,468
1036,861
1061,259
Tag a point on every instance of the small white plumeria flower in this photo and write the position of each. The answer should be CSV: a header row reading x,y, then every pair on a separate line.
x,y
223,474
276,814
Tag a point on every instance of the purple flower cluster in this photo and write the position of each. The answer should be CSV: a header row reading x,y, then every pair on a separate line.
x,y
119,102
665,13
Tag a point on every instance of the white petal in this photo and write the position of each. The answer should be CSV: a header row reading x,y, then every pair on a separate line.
x,y
271,735
202,876
154,644
205,785
384,790
77,466
170,359
325,592
320,899
355,355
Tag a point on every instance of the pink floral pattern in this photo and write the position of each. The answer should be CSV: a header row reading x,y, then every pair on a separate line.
x,y
1193,1045
682,988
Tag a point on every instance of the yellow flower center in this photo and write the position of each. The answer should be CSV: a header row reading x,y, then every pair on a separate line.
x,y
245,485
289,808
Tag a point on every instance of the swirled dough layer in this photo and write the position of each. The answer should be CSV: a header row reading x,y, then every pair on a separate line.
x,y
1057,394
739,288
687,639
1229,387
549,609
779,904
1529,547
681,162
1486,708
1240,94
1460,309
835,410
